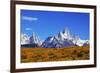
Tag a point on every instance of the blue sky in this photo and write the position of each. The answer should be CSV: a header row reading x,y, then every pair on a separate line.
x,y
49,23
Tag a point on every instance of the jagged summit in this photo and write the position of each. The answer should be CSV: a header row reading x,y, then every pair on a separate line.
x,y
34,39
66,31
24,39
62,39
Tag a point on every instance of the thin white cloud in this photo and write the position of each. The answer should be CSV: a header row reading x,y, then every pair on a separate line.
x,y
28,29
29,18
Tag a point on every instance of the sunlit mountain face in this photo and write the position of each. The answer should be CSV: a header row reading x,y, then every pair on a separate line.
x,y
62,39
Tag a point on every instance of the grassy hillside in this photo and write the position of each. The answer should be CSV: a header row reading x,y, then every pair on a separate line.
x,y
50,54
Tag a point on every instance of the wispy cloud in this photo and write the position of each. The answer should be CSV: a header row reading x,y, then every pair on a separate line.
x,y
28,18
28,29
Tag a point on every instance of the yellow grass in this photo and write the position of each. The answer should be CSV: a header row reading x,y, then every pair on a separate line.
x,y
52,54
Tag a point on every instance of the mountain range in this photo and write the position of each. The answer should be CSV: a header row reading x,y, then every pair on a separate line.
x,y
62,39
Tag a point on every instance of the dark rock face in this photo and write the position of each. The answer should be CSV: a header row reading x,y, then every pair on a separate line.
x,y
62,39
30,45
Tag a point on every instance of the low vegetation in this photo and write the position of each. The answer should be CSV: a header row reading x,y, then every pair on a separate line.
x,y
52,54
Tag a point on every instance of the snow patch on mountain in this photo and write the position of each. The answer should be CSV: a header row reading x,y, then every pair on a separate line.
x,y
34,39
24,39
63,39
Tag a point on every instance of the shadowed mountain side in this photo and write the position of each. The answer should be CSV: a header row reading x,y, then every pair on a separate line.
x,y
62,39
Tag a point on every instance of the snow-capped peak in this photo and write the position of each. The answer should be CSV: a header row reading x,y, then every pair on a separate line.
x,y
62,39
61,36
34,39
24,39
65,34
